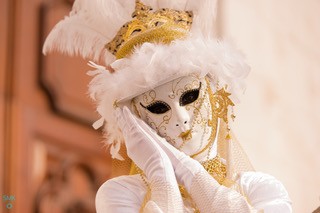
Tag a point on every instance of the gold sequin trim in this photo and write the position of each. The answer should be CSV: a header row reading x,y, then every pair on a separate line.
x,y
216,169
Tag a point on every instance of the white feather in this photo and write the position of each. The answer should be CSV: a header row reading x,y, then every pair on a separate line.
x,y
93,23
99,123
89,27
72,37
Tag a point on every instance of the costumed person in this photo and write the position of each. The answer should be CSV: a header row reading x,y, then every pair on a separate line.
x,y
165,94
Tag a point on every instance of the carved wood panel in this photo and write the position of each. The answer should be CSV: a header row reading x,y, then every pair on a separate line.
x,y
3,91
63,78
55,159
66,180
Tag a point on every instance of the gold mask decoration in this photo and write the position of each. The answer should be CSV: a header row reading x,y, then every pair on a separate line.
x,y
162,26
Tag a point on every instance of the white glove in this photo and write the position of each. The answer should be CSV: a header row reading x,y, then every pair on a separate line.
x,y
147,154
142,148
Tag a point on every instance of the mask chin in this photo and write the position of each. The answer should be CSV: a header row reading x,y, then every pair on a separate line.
x,y
181,112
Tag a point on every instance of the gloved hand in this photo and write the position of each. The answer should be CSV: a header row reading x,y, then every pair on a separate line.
x,y
185,168
142,147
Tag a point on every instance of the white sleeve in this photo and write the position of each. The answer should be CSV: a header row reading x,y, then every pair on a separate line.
x,y
210,196
127,193
121,194
264,192
261,193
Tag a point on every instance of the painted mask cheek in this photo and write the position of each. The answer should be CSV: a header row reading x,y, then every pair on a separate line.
x,y
159,122
157,114
140,102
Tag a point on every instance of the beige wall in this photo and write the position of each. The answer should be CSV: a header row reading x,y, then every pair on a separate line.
x,y
278,119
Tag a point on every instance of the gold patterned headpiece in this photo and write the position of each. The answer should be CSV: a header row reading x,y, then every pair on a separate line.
x,y
161,26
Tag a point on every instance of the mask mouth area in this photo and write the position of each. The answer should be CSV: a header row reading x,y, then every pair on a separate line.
x,y
185,136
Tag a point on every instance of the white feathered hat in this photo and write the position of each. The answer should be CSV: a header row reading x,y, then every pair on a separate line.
x,y
143,45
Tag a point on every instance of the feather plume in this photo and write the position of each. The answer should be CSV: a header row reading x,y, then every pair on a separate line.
x,y
90,25
72,37
93,23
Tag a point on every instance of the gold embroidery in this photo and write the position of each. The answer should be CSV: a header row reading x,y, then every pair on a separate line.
x,y
222,102
213,122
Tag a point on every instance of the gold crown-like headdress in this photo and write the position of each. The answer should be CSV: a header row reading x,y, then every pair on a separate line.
x,y
163,26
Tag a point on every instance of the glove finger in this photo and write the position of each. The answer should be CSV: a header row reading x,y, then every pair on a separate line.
x,y
120,119
138,141
127,124
144,150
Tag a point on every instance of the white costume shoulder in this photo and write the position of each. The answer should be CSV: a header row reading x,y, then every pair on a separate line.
x,y
265,192
121,194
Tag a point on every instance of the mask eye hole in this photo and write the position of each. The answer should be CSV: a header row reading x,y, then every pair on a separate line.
x,y
158,107
189,96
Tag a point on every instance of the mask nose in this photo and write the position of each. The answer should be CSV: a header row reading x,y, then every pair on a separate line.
x,y
183,125
182,119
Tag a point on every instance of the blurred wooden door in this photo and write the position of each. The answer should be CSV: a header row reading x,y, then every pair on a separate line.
x,y
51,160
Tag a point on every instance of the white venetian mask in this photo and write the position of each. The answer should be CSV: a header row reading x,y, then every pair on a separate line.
x,y
181,112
